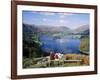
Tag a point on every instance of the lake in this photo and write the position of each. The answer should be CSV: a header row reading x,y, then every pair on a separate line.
x,y
62,45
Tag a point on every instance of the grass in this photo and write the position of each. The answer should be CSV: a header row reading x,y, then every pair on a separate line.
x,y
84,46
37,62
84,58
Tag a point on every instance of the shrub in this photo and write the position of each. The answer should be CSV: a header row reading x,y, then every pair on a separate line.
x,y
27,62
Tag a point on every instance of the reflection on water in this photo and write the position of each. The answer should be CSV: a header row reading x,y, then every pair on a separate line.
x,y
62,45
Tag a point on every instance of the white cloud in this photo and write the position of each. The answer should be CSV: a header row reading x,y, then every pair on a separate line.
x,y
64,14
61,14
61,21
44,13
47,13
44,19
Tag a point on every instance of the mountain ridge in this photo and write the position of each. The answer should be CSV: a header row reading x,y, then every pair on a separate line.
x,y
60,29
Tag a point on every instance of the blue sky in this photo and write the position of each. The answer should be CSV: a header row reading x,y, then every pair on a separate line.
x,y
70,20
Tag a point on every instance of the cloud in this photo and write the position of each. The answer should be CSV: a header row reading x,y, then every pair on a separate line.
x,y
44,19
44,13
47,13
61,21
64,14
61,14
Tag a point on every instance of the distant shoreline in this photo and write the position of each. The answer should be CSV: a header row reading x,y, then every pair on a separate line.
x,y
84,52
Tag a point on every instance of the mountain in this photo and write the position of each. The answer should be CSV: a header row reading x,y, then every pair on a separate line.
x,y
51,30
44,28
28,28
82,29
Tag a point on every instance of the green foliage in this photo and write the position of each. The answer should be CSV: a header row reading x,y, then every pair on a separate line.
x,y
26,62
31,45
35,38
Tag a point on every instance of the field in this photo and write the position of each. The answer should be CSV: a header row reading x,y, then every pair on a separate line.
x,y
67,60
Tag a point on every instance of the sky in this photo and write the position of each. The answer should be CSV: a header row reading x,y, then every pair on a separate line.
x,y
57,19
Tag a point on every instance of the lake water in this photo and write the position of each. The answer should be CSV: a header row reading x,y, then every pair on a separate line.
x,y
63,45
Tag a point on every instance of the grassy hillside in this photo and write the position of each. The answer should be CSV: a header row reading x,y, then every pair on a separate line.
x,y
84,46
